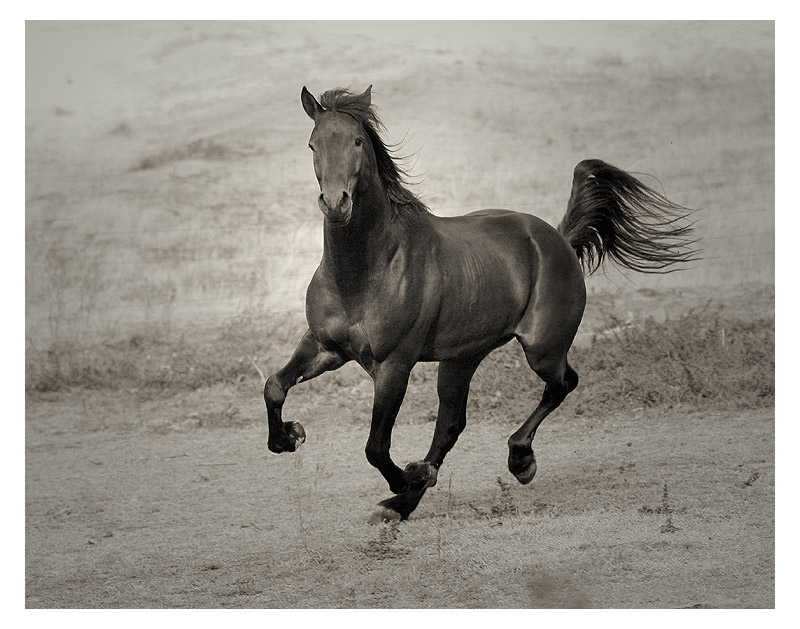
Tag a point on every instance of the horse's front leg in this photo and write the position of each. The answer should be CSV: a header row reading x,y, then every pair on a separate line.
x,y
309,360
453,389
391,381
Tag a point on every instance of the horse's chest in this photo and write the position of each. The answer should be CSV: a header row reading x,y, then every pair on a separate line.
x,y
366,326
351,338
348,330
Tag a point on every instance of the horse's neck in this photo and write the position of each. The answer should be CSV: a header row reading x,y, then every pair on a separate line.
x,y
364,247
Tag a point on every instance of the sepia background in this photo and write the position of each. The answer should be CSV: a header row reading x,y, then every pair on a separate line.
x,y
171,229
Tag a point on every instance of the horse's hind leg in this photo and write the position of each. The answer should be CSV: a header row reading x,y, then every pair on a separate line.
x,y
546,332
559,380
453,389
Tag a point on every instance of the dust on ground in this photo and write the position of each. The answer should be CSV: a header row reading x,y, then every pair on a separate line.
x,y
136,504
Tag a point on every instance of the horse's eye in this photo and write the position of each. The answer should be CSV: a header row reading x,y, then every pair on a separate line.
x,y
359,141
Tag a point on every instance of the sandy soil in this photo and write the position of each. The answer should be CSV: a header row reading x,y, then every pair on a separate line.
x,y
134,505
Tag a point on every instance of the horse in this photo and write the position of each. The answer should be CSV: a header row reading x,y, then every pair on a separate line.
x,y
397,285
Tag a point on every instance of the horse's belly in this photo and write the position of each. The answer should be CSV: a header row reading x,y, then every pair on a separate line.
x,y
476,324
464,348
463,340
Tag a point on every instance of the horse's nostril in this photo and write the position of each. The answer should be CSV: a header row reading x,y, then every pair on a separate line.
x,y
334,201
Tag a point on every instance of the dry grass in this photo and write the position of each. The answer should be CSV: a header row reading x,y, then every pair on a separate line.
x,y
700,359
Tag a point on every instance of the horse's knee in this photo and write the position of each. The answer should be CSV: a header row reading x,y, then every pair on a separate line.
x,y
274,393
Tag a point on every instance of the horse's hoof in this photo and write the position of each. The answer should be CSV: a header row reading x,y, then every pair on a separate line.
x,y
383,515
291,439
526,476
421,475
296,433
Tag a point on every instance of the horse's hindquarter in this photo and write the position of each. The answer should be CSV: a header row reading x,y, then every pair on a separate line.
x,y
490,263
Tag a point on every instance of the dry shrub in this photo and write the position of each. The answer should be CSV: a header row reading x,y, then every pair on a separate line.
x,y
699,359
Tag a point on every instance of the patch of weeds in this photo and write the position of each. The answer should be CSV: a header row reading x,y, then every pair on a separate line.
x,y
664,508
700,358
749,482
668,526
247,587
506,504
385,546
149,363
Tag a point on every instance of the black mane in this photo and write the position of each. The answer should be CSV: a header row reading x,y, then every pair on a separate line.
x,y
392,175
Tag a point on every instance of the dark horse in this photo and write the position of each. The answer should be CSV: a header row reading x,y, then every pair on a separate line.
x,y
398,285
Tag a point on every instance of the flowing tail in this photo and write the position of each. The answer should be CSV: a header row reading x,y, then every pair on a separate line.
x,y
610,213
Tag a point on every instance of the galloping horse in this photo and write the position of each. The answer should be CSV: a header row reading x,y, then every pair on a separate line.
x,y
398,285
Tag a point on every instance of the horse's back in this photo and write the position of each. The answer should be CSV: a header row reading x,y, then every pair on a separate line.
x,y
521,238
503,223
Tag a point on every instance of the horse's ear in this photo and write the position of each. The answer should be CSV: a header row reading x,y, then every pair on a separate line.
x,y
310,104
366,98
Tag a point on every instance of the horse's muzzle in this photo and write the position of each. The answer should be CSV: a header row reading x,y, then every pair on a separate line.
x,y
338,210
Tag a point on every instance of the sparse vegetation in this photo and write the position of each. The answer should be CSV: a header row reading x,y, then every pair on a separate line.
x,y
209,519
171,231
203,149
699,359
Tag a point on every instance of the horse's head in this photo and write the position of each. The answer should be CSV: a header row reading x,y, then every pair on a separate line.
x,y
341,151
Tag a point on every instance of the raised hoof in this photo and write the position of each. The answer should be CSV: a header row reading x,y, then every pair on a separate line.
x,y
384,515
295,432
421,475
293,436
526,476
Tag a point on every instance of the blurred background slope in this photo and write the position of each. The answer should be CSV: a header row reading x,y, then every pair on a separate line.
x,y
169,187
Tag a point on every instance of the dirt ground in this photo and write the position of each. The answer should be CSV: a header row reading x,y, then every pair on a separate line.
x,y
134,504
